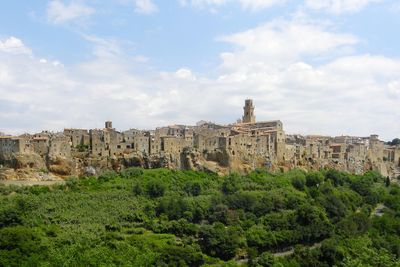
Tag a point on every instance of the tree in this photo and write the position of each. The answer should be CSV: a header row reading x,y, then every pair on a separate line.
x,y
107,176
394,142
219,241
266,259
299,182
219,213
155,188
21,246
132,172
331,252
354,224
180,256
9,216
334,206
231,184
259,237
313,223
338,178
314,179
137,189
192,188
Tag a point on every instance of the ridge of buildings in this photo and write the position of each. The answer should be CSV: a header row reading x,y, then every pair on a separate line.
x,y
264,143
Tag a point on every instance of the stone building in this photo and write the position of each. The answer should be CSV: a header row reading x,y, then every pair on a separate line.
x,y
40,143
244,145
248,116
79,137
10,145
59,146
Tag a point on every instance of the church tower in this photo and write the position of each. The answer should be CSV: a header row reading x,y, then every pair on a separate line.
x,y
248,116
108,125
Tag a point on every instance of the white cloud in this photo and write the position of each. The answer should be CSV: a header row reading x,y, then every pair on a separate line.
x,y
275,64
14,45
185,73
395,8
145,7
58,12
339,6
281,42
344,93
330,6
253,5
394,89
259,4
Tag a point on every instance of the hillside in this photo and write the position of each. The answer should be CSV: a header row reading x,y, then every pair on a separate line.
x,y
162,217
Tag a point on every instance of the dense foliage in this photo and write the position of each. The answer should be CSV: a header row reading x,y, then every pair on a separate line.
x,y
182,218
394,142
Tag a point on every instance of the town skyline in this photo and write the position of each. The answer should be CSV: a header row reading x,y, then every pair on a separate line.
x,y
324,67
4,132
243,146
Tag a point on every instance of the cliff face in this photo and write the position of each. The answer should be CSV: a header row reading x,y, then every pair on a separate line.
x,y
26,166
32,166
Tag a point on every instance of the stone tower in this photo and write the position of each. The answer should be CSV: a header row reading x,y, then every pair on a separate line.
x,y
248,116
108,124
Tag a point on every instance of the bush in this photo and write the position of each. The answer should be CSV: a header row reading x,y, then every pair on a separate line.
x,y
193,188
131,173
314,179
231,184
299,182
266,259
337,178
180,256
220,241
137,189
155,188
107,176
9,216
259,237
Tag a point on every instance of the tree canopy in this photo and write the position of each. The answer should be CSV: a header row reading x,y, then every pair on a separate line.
x,y
163,217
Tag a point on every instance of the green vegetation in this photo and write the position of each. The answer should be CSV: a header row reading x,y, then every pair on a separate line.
x,y
82,147
182,218
394,142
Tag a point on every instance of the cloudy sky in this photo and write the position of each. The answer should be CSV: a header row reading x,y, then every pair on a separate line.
x,y
321,66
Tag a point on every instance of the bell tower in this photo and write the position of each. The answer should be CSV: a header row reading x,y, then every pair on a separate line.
x,y
248,115
108,125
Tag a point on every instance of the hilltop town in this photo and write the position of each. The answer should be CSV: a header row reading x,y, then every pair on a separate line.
x,y
241,147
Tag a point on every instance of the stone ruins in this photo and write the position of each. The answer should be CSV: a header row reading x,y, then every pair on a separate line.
x,y
239,147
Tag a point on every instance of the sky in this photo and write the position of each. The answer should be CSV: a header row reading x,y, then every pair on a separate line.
x,y
328,67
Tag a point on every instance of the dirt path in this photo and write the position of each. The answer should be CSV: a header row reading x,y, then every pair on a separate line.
x,y
282,254
291,251
30,183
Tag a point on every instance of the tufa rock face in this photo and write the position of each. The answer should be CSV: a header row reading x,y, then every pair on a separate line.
x,y
60,166
28,161
26,174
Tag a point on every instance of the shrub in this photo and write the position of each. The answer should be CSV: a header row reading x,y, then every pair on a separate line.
x,y
299,182
131,173
193,188
155,188
9,216
314,179
107,176
231,184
